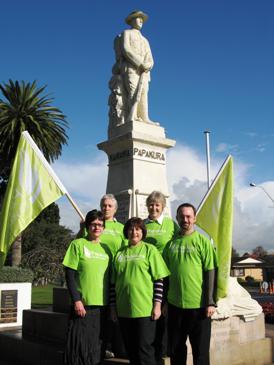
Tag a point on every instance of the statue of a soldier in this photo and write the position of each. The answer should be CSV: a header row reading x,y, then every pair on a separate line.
x,y
131,74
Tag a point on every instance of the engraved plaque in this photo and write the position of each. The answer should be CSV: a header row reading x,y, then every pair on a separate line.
x,y
123,200
8,312
141,208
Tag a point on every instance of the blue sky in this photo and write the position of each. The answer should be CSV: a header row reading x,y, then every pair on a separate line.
x,y
213,70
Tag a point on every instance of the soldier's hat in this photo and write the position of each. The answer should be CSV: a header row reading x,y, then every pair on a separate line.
x,y
136,14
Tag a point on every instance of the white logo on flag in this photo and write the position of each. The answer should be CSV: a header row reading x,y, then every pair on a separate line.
x,y
29,178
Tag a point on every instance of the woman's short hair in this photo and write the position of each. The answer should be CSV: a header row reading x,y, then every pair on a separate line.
x,y
156,196
135,222
92,216
108,196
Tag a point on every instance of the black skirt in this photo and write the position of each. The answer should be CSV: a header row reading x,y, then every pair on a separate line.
x,y
84,339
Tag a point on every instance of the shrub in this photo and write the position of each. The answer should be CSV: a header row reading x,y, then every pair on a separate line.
x,y
249,279
10,274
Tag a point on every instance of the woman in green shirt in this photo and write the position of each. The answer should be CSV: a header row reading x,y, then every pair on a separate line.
x,y
87,263
138,272
160,230
113,237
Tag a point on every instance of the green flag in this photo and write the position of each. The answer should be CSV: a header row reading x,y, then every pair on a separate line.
x,y
32,186
215,217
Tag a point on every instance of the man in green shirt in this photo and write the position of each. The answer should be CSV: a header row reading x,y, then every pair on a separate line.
x,y
192,261
113,234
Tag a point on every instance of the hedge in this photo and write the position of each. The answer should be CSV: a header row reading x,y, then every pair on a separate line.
x,y
10,274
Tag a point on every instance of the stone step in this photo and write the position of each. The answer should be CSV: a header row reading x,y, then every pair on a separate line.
x,y
115,361
44,325
61,301
17,350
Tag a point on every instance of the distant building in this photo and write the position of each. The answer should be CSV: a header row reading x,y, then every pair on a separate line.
x,y
261,269
247,266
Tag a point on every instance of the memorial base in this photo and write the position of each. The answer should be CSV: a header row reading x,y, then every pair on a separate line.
x,y
42,339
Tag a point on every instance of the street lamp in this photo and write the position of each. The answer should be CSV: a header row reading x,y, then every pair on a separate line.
x,y
261,187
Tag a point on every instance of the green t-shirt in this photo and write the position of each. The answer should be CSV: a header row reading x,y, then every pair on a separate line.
x,y
187,257
135,268
113,236
160,234
92,262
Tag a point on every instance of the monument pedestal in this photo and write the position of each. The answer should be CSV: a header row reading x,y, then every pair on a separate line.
x,y
137,166
43,336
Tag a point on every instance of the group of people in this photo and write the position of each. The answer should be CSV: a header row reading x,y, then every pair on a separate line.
x,y
152,277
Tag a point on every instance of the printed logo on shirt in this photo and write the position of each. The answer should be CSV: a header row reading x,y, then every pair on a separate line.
x,y
95,255
156,231
135,257
182,249
111,232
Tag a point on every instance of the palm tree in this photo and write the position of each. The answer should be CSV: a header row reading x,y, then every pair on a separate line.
x,y
25,108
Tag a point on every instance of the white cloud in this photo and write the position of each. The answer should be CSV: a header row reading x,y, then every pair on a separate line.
x,y
225,147
251,134
86,183
261,147
222,147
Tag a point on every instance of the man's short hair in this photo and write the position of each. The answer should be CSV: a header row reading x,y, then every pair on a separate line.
x,y
186,205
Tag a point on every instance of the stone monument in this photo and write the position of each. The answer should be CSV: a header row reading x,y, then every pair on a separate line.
x,y
136,146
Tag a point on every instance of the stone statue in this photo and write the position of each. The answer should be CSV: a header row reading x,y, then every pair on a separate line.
x,y
131,74
238,302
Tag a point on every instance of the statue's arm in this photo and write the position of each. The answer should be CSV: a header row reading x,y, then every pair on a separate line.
x,y
127,50
148,62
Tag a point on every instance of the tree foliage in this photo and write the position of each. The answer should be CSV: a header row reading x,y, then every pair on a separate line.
x,y
235,253
44,247
25,107
50,214
259,251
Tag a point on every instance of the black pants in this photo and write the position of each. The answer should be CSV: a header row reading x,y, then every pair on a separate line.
x,y
161,338
192,323
139,336
84,339
113,339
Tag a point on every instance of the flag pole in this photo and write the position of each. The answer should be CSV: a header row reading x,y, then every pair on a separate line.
x,y
208,158
75,206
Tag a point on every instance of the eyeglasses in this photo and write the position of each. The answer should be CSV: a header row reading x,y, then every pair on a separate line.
x,y
94,225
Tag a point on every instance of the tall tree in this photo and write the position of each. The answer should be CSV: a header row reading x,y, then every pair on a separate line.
x,y
25,107
235,253
44,246
259,251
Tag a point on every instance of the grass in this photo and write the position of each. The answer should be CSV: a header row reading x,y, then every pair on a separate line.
x,y
41,296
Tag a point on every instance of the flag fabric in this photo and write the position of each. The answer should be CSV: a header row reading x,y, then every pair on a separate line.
x,y
215,217
32,186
